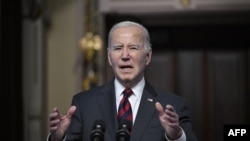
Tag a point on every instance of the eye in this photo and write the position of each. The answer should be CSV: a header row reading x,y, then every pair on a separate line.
x,y
134,47
117,47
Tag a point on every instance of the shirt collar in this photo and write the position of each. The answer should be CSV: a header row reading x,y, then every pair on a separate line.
x,y
137,89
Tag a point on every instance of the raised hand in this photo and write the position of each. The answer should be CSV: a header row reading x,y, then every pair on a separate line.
x,y
58,124
169,120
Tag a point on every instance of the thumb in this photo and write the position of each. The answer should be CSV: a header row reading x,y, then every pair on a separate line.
x,y
71,111
159,107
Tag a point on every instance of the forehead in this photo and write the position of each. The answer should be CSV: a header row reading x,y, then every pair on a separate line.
x,y
129,30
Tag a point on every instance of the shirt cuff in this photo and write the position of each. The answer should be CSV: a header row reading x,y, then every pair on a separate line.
x,y
181,138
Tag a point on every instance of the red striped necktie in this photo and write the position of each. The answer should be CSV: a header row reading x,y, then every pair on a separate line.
x,y
125,110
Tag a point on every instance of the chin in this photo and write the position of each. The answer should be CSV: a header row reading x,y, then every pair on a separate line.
x,y
126,79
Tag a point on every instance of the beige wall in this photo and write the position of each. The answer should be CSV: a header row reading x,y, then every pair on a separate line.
x,y
61,57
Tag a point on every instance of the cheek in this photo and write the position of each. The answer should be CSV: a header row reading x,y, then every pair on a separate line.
x,y
112,60
142,63
144,60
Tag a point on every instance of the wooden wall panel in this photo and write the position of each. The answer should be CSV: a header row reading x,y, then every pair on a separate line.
x,y
214,83
190,84
160,72
226,91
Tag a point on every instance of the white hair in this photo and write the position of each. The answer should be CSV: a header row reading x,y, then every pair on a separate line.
x,y
147,43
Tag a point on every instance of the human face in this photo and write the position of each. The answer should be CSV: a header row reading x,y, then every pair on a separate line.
x,y
128,56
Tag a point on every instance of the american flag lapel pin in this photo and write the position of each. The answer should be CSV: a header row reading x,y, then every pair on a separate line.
x,y
150,100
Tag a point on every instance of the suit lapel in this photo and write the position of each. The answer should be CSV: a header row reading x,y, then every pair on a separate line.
x,y
107,104
145,112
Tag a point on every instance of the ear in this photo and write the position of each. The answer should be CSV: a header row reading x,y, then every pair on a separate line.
x,y
149,55
109,59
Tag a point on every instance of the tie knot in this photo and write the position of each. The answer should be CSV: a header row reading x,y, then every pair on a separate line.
x,y
127,92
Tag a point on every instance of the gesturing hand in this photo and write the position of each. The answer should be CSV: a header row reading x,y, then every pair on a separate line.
x,y
59,123
169,120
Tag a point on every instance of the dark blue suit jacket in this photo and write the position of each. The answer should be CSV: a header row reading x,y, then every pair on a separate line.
x,y
100,103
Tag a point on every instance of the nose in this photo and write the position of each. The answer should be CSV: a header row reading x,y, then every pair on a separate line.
x,y
125,54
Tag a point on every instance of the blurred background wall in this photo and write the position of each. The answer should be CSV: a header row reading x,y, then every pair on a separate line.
x,y
52,49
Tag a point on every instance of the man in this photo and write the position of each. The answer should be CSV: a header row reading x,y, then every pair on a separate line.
x,y
155,115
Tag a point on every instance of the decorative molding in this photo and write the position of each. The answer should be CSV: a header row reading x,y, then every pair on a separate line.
x,y
168,6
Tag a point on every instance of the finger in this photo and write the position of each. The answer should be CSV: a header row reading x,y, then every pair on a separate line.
x,y
171,116
53,116
170,108
53,129
55,110
54,123
71,111
159,107
172,119
170,113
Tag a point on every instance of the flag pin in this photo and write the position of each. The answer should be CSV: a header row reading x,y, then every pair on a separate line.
x,y
150,99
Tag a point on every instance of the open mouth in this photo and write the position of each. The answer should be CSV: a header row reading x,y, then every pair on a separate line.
x,y
126,67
